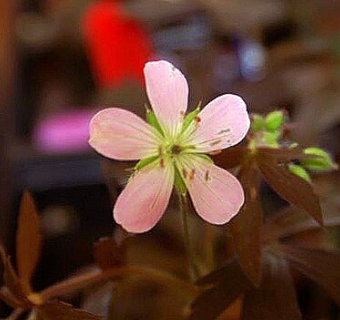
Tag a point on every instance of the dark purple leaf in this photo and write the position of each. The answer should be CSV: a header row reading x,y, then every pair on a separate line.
x,y
28,242
11,279
225,285
276,297
246,226
231,157
283,155
318,265
63,311
290,187
291,221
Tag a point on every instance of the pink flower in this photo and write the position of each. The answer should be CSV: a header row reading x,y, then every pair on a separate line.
x,y
172,148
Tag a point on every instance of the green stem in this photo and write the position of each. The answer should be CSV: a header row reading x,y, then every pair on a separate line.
x,y
193,268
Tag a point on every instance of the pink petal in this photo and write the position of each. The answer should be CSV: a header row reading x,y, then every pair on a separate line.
x,y
223,123
122,135
168,93
145,198
216,194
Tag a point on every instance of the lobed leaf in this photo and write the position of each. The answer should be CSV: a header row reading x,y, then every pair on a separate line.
x,y
290,187
28,241
225,285
246,226
276,297
231,157
11,280
63,311
318,265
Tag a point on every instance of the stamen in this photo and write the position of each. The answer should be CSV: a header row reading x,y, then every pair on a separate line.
x,y
162,162
215,142
185,173
207,176
197,119
160,151
227,130
192,174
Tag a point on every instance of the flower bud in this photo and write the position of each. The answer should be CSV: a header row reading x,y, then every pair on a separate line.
x,y
321,162
274,120
299,171
257,122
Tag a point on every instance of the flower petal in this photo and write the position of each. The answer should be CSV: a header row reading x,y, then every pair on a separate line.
x,y
216,194
168,92
122,135
223,123
145,198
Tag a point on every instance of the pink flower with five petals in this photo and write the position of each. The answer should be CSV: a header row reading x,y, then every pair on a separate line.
x,y
172,147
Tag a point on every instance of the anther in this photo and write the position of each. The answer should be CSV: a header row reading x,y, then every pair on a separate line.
x,y
185,173
215,142
207,176
192,174
197,119
160,151
161,162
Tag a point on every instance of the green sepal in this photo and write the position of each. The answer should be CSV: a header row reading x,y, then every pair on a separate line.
x,y
179,182
274,120
321,162
144,162
152,120
257,122
190,117
299,171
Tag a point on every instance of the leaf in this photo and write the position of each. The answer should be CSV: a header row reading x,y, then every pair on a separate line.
x,y
63,311
290,187
108,253
28,241
231,157
11,279
276,297
291,221
246,226
318,265
225,286
282,155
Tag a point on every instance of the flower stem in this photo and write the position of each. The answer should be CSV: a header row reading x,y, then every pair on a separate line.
x,y
193,268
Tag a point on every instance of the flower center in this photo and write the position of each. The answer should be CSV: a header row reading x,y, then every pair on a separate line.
x,y
176,149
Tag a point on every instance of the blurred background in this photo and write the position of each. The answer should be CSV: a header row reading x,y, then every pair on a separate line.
x,y
63,60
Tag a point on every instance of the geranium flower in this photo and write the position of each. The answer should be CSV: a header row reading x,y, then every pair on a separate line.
x,y
172,147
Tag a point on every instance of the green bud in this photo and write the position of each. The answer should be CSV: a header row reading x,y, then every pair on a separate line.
x,y
321,162
274,120
257,122
299,171
271,138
